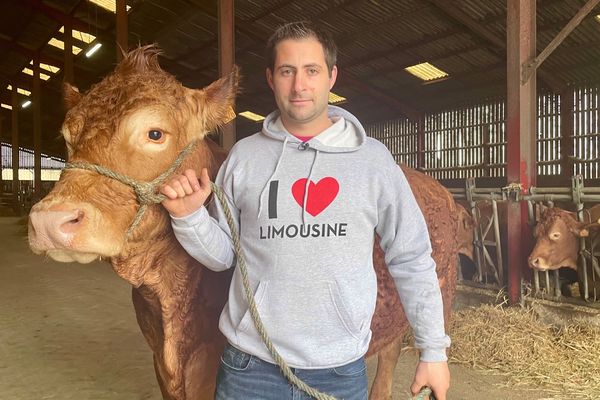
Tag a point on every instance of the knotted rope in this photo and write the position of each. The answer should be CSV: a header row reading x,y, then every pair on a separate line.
x,y
146,194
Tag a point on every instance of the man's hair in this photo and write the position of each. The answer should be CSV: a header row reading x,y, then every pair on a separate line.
x,y
302,30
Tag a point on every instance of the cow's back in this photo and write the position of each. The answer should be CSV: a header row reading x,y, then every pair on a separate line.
x,y
441,215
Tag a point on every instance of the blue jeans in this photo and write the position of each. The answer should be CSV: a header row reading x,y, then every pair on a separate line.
x,y
246,377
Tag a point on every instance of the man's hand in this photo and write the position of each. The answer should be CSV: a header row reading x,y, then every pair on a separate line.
x,y
436,375
185,194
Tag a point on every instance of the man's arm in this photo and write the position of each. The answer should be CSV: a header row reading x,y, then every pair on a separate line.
x,y
405,241
205,238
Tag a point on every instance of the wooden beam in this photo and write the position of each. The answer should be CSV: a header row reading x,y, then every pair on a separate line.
x,y
122,32
57,15
482,32
68,70
521,135
566,133
413,60
390,101
421,142
226,13
15,148
1,166
558,39
474,26
36,100
29,53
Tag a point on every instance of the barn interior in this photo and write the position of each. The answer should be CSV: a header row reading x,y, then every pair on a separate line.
x,y
498,100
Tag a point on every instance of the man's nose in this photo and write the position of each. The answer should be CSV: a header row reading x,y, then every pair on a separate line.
x,y
299,82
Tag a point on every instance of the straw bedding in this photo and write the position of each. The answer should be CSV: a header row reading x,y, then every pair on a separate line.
x,y
510,341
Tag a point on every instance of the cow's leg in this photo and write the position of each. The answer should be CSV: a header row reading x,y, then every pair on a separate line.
x,y
386,362
161,382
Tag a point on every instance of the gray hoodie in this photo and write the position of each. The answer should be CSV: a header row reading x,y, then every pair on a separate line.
x,y
309,247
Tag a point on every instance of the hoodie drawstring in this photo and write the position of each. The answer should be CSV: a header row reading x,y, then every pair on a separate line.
x,y
312,166
260,202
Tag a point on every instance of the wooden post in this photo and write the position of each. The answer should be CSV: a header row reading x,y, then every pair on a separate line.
x,y
122,32
485,147
421,142
566,133
1,159
68,71
15,147
521,133
36,99
227,59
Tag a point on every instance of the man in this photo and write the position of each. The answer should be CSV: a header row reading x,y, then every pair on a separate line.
x,y
307,193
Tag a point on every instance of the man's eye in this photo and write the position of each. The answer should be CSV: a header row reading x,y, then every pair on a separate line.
x,y
155,134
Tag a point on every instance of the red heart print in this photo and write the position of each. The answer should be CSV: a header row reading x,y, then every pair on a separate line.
x,y
320,194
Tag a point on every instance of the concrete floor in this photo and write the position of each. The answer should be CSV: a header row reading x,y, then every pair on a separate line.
x,y
68,331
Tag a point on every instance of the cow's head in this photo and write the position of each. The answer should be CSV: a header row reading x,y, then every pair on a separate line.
x,y
465,233
134,122
557,240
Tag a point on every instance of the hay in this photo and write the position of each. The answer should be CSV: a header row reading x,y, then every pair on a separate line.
x,y
562,362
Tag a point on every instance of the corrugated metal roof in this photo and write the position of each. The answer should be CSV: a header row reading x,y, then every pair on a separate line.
x,y
377,39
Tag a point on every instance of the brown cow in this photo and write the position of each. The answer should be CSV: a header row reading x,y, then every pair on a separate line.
x,y
466,240
466,234
557,240
135,122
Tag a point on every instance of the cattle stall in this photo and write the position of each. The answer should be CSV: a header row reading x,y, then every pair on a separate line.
x,y
465,148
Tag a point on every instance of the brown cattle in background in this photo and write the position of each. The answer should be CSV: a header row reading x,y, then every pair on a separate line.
x,y
557,235
466,240
466,236
135,122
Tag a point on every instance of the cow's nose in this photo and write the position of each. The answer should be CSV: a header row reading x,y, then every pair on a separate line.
x,y
54,229
69,223
534,262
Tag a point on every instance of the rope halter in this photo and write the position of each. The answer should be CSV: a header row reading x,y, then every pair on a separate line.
x,y
145,192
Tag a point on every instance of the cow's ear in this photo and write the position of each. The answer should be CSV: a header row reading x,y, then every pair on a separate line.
x,y
215,103
583,232
539,211
71,95
588,229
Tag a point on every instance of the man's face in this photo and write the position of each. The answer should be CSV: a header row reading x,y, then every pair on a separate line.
x,y
300,81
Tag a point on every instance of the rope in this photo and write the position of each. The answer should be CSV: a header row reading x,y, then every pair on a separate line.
x,y
145,192
425,394
285,369
146,195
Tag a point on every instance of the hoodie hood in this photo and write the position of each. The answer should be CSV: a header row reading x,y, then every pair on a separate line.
x,y
345,135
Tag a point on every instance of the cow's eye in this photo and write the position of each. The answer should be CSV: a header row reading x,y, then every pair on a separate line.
x,y
155,135
555,235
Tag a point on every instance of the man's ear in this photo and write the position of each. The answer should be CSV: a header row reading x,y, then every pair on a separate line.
x,y
71,95
269,75
333,77
214,105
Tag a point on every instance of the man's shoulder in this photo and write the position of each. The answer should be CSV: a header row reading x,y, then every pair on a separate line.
x,y
377,148
249,142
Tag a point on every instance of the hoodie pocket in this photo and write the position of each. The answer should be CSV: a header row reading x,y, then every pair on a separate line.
x,y
259,297
351,324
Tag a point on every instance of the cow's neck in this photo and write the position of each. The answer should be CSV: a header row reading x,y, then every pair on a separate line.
x,y
158,264
177,304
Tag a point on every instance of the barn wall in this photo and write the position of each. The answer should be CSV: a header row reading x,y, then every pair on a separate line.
x,y
471,141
